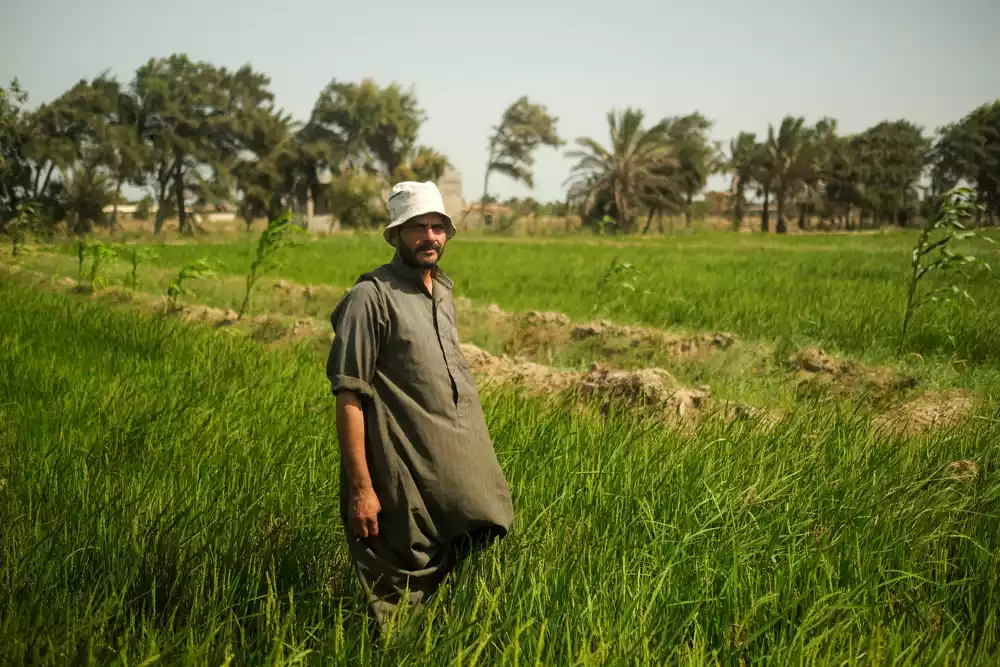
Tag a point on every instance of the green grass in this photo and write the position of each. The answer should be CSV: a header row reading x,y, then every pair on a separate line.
x,y
844,292
168,496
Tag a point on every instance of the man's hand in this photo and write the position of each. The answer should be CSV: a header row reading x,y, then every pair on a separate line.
x,y
363,512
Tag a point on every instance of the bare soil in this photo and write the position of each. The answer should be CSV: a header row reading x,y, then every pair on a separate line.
x,y
932,409
533,333
815,373
647,390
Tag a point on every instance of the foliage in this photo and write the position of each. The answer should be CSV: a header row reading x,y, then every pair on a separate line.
x,y
969,151
24,222
366,125
523,128
136,255
695,159
80,248
178,285
272,239
617,286
425,164
100,254
743,154
87,192
196,118
933,254
616,180
356,199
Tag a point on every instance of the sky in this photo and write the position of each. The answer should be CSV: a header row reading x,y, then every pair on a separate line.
x,y
741,64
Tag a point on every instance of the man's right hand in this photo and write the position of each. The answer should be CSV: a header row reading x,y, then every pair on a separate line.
x,y
364,509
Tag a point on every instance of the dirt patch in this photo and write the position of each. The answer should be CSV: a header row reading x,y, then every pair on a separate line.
x,y
276,329
533,333
817,373
648,390
308,292
674,345
932,409
965,470
206,314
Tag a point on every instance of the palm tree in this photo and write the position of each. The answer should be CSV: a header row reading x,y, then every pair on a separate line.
x,y
743,153
625,174
763,173
786,156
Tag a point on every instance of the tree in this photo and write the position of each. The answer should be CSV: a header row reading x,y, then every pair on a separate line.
x,y
891,158
425,164
523,127
763,170
87,190
616,180
264,175
743,155
112,138
367,126
787,162
696,157
37,146
969,151
196,116
13,174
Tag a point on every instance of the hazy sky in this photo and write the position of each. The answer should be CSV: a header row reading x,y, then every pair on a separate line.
x,y
742,64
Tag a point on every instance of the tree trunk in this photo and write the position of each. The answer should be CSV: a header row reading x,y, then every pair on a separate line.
x,y
738,209
780,227
179,196
649,221
114,208
689,200
161,206
765,214
45,183
803,210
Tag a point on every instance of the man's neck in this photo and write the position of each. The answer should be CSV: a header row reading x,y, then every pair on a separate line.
x,y
428,278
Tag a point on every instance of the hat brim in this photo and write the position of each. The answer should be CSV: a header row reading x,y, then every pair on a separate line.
x,y
414,211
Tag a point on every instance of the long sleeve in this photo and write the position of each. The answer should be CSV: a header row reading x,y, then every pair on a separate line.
x,y
358,325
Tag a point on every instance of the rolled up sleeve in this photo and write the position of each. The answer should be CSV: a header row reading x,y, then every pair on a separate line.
x,y
358,324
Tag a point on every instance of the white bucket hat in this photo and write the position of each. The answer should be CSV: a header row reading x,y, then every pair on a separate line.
x,y
410,199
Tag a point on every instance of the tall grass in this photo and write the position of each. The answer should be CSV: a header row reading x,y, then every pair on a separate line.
x,y
845,292
168,496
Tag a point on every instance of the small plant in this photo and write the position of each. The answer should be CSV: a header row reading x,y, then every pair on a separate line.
x,y
618,281
100,254
25,221
135,255
270,242
934,254
81,256
177,286
606,223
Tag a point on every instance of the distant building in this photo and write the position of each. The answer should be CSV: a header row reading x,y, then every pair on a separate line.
x,y
450,186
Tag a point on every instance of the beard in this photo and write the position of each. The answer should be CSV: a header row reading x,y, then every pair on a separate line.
x,y
412,257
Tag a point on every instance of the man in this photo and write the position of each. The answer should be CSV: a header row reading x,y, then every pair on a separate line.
x,y
419,475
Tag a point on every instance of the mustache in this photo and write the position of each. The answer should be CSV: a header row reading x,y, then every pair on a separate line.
x,y
429,245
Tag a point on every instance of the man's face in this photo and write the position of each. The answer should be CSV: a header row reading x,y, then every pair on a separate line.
x,y
421,240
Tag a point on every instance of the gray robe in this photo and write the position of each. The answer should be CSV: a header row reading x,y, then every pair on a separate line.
x,y
429,454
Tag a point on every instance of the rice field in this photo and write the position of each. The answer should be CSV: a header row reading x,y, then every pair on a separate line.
x,y
843,291
168,492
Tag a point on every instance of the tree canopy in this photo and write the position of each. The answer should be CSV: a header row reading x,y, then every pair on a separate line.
x,y
191,134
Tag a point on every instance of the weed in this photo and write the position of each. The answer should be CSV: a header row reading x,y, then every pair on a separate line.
x,y
935,254
178,285
271,240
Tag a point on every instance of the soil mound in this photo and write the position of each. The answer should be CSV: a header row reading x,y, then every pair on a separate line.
x,y
649,390
932,409
817,372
